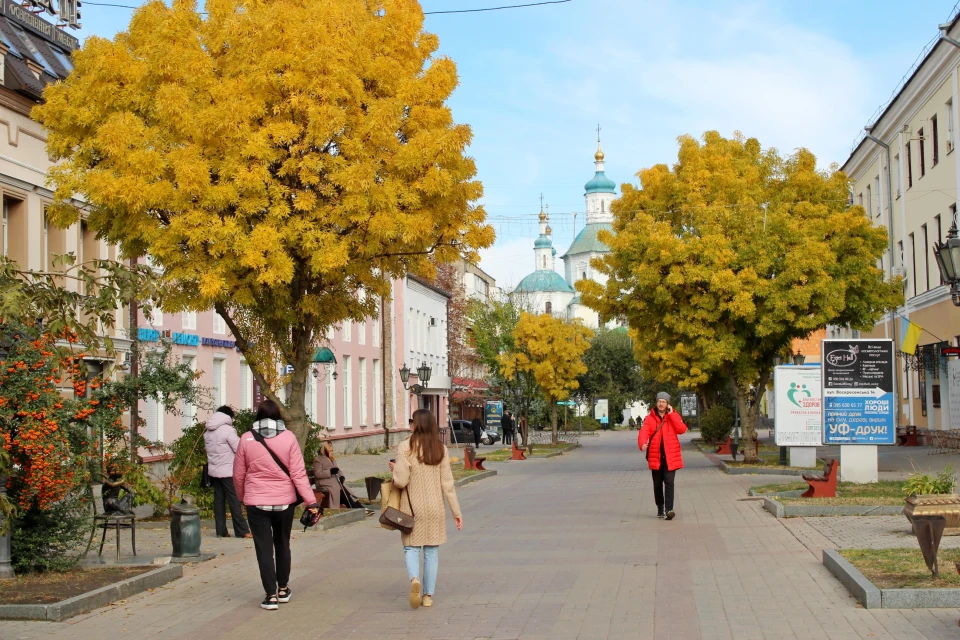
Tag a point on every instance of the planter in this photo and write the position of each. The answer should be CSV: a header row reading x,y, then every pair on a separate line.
x,y
947,506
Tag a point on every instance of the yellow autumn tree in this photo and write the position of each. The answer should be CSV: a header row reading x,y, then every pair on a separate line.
x,y
721,261
280,161
552,350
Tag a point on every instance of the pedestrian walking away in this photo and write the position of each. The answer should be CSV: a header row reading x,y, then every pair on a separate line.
x,y
221,442
422,468
270,474
477,426
658,438
508,427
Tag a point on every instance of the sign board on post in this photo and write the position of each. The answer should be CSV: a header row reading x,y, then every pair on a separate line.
x,y
858,391
798,406
601,409
493,414
688,405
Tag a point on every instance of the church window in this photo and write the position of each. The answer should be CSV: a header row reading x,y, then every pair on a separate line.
x,y
601,207
549,307
584,275
544,262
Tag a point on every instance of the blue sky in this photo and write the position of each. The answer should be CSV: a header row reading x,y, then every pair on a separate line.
x,y
535,82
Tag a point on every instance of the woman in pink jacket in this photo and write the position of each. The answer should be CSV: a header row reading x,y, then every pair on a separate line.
x,y
221,440
269,474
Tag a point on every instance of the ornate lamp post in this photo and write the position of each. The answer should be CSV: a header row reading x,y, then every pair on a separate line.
x,y
948,260
423,377
799,358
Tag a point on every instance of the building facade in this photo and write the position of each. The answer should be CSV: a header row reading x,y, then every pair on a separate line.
x,y
904,172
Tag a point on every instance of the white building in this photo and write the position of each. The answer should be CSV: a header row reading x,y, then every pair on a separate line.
x,y
424,341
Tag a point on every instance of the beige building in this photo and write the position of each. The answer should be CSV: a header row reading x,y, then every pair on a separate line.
x,y
904,172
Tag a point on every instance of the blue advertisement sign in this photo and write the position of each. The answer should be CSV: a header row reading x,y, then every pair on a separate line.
x,y
493,414
858,403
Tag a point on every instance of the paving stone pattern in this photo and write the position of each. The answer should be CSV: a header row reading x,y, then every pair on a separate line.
x,y
562,548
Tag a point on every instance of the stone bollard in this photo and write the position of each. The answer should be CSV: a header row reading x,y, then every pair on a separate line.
x,y
185,530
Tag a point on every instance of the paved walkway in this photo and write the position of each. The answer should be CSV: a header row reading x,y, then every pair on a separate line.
x,y
562,548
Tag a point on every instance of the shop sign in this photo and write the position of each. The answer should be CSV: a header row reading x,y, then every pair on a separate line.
x,y
798,406
493,414
67,11
148,335
186,339
216,342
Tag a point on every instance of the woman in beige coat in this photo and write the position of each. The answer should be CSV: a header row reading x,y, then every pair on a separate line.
x,y
423,469
323,470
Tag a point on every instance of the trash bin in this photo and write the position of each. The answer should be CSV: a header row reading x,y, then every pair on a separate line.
x,y
185,530
373,487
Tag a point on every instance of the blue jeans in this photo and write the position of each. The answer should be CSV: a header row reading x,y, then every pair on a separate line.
x,y
431,562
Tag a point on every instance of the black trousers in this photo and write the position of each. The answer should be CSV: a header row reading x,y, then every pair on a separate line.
x,y
223,492
507,436
663,488
271,539
476,439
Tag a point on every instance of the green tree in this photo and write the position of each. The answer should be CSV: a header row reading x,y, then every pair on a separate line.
x,y
491,325
721,261
612,372
296,159
552,350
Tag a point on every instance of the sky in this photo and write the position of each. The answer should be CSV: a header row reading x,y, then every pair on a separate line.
x,y
535,83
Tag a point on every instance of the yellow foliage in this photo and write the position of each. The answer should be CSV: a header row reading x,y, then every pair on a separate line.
x,y
277,156
552,350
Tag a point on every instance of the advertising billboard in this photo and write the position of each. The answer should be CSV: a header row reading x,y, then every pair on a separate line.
x,y
858,405
798,406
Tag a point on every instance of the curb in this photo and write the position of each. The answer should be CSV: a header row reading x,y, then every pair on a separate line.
x,y
850,577
776,494
763,471
60,611
341,519
781,510
479,476
872,597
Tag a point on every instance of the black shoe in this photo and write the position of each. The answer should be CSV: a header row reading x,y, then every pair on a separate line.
x,y
671,515
283,594
660,513
270,603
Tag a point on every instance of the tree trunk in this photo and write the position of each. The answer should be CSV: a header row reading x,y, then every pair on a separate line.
x,y
553,421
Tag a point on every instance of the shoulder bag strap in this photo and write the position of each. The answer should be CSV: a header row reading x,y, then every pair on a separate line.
x,y
650,441
259,438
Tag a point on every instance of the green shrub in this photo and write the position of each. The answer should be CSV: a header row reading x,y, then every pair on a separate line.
x,y
55,539
716,423
921,484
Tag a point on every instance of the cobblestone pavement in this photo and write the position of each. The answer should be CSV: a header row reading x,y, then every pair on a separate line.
x,y
562,548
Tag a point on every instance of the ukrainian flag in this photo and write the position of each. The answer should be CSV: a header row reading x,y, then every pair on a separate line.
x,y
909,335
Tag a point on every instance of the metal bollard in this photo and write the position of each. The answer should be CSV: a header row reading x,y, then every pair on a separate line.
x,y
185,530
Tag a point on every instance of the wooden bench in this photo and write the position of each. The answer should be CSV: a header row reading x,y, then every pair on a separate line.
x,y
907,436
727,448
471,461
724,449
822,486
518,452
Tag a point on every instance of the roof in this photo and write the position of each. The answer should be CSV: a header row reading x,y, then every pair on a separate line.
x,y
576,300
600,183
48,57
543,280
429,285
543,242
587,241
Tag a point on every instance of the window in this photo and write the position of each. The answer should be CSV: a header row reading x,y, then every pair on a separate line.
x,y
190,320
32,48
347,394
544,262
584,275
900,252
913,262
310,401
950,125
602,207
188,410
362,389
5,231
936,220
219,325
549,307
331,401
909,165
876,190
926,258
377,391
345,331
897,169
361,333
869,200
936,142
217,386
244,385
860,200
375,338
153,417
923,153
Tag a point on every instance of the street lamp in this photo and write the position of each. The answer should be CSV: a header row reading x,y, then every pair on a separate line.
x,y
948,259
404,375
798,358
777,361
423,377
423,373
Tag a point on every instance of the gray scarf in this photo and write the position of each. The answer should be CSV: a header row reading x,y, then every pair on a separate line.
x,y
269,428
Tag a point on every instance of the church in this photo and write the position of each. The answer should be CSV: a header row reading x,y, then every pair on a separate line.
x,y
545,290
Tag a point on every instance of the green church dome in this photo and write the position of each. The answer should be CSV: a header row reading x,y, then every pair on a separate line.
x,y
600,183
543,281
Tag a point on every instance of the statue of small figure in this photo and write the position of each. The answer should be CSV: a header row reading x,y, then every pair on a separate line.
x,y
113,504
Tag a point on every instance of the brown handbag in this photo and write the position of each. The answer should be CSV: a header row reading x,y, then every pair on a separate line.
x,y
392,518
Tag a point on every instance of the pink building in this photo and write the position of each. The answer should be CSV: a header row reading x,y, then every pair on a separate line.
x,y
345,392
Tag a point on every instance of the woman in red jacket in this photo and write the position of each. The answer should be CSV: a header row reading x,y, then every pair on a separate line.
x,y
658,437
